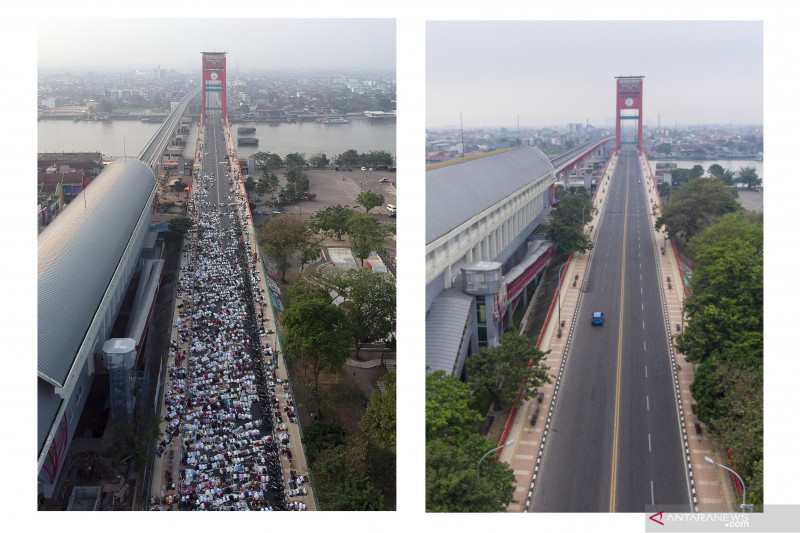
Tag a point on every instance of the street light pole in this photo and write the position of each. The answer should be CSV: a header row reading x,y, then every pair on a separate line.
x,y
558,296
745,507
744,490
583,211
478,470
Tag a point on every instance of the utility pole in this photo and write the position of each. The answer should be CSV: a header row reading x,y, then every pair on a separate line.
x,y
461,118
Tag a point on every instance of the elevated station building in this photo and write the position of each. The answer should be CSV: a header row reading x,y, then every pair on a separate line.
x,y
86,260
483,257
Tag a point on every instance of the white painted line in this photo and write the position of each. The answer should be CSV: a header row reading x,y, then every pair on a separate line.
x,y
645,371
652,494
642,324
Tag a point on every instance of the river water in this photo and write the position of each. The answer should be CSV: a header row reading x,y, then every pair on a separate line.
x,y
128,137
728,164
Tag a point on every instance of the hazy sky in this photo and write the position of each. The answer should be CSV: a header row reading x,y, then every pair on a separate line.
x,y
251,43
561,72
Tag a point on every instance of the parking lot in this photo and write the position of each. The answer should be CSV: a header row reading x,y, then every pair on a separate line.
x,y
336,188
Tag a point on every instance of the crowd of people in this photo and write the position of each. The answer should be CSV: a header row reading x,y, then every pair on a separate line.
x,y
225,403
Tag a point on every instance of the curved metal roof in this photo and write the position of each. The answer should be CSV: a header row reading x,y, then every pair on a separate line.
x,y
78,255
444,328
456,193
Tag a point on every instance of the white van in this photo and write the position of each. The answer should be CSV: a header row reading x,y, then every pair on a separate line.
x,y
392,209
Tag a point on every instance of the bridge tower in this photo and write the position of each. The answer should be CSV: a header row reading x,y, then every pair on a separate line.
x,y
629,108
214,86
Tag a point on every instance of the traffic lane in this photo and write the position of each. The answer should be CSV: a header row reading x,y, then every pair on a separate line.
x,y
575,470
634,466
670,478
654,470
576,467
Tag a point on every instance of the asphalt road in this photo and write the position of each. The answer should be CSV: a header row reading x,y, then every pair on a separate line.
x,y
614,443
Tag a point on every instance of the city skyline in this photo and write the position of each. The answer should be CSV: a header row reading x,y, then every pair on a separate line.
x,y
556,72
304,44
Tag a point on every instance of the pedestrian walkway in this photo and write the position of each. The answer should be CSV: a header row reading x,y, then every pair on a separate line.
x,y
369,364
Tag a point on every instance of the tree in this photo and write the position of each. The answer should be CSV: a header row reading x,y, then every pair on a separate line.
x,y
261,186
296,184
319,160
748,176
716,171
502,370
728,178
696,171
567,238
369,199
309,285
680,176
348,159
272,182
377,158
343,479
249,183
126,442
281,237
367,235
566,220
274,164
333,220
380,420
319,435
664,190
309,251
448,414
664,148
260,160
382,465
737,421
694,206
178,185
178,228
451,484
726,300
370,301
295,161
319,334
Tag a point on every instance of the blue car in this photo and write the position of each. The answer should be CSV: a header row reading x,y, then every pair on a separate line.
x,y
597,319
